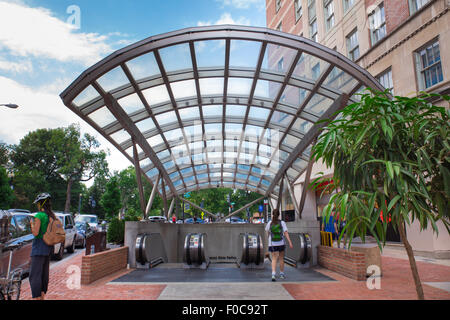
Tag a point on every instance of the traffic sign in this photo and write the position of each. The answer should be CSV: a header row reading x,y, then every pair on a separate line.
x,y
261,208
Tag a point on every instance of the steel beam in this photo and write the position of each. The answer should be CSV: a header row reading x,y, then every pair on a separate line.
x,y
292,194
172,204
137,168
152,196
305,186
197,207
244,207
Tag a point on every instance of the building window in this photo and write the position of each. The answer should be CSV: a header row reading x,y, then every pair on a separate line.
x,y
298,10
311,10
280,26
280,65
385,79
429,69
415,5
377,23
316,71
353,45
313,30
348,4
277,5
329,14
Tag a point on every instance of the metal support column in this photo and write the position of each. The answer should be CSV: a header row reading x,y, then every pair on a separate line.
x,y
172,205
305,187
280,195
291,193
137,168
152,196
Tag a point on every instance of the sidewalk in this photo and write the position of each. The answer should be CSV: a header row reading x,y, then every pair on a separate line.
x,y
396,283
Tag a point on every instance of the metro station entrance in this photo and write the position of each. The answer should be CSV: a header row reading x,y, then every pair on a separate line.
x,y
217,106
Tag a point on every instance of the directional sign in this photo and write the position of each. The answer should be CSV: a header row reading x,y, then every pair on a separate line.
x,y
261,208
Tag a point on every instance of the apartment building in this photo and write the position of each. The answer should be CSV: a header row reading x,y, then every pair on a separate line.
x,y
405,44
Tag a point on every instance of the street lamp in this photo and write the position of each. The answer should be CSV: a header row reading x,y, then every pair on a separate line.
x,y
9,105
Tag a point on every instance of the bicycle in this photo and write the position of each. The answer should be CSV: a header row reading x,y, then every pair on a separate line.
x,y
11,284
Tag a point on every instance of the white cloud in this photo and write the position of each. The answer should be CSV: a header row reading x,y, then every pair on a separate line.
x,y
16,67
35,32
225,18
39,108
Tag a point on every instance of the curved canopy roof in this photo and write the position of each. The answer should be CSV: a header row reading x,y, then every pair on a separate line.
x,y
216,106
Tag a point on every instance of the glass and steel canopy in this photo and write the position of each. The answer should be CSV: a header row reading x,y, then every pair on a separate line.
x,y
226,106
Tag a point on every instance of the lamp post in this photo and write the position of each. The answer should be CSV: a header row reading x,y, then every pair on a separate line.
x,y
9,105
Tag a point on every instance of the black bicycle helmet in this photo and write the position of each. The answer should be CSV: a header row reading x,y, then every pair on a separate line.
x,y
42,196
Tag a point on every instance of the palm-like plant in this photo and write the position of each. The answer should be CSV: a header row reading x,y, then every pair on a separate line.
x,y
389,155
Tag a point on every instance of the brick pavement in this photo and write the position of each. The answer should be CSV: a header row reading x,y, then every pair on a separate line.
x,y
396,283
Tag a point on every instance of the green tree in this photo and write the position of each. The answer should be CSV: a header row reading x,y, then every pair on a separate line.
x,y
4,154
110,200
6,194
392,154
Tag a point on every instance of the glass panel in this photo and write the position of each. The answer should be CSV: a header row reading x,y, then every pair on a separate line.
x,y
281,118
210,53
202,176
196,147
214,145
152,173
174,135
267,89
340,80
294,96
291,141
259,113
200,167
233,128
302,125
278,58
131,103
318,104
244,53
235,110
144,163
241,176
240,86
102,117
183,89
180,151
309,67
189,113
165,118
113,79
155,140
176,57
211,86
86,95
213,111
156,95
163,154
143,66
252,131
145,125
120,136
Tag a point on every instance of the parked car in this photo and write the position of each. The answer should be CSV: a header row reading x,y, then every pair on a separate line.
x,y
71,234
92,219
191,220
20,236
84,230
157,219
234,220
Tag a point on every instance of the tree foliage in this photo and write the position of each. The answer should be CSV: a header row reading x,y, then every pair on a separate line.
x,y
6,194
110,199
389,156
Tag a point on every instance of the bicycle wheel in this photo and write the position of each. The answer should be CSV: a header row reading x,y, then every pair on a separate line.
x,y
14,290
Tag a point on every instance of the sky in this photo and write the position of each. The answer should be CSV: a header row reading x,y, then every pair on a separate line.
x,y
46,44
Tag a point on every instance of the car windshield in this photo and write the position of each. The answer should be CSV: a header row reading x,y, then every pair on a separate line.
x,y
87,219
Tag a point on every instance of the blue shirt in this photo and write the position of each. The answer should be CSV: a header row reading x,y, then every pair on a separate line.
x,y
329,227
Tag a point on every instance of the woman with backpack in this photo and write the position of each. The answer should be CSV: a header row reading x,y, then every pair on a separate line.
x,y
40,252
277,232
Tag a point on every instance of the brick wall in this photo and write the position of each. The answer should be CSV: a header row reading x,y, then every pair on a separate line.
x,y
98,265
348,263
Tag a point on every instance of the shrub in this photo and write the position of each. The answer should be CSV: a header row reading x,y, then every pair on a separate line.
x,y
116,231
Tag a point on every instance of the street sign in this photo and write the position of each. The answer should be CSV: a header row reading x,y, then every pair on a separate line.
x,y
261,208
266,202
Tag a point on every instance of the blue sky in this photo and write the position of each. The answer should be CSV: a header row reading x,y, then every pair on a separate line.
x,y
42,51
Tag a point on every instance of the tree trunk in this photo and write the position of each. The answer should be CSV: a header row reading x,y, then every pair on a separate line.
x,y
412,261
68,194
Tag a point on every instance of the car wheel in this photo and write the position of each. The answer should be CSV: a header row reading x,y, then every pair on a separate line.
x,y
60,253
71,249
